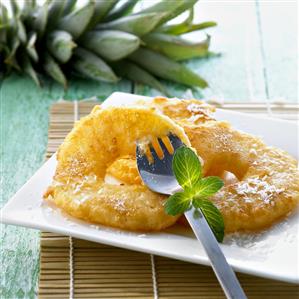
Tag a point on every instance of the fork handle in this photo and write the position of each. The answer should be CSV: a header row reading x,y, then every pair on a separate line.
x,y
222,269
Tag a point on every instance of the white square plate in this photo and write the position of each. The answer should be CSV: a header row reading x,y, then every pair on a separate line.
x,y
272,254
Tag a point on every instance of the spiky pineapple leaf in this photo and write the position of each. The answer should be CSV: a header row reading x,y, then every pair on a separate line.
x,y
121,10
11,58
139,25
60,44
21,31
102,8
176,47
171,8
4,23
56,9
69,6
53,70
173,27
29,70
14,7
31,3
92,66
30,47
133,72
76,22
39,20
27,9
182,28
111,44
4,20
3,38
166,68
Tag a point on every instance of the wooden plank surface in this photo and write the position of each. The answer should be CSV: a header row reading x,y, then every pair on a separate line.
x,y
235,76
279,30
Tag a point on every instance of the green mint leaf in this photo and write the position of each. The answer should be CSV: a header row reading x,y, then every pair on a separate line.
x,y
208,186
178,203
213,217
188,172
186,167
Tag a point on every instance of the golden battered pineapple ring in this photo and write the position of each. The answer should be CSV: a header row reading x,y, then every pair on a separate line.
x,y
268,179
267,188
95,143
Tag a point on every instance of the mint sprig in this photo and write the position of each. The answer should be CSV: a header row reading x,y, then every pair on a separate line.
x,y
196,190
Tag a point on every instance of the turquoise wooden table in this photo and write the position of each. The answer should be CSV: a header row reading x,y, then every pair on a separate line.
x,y
258,42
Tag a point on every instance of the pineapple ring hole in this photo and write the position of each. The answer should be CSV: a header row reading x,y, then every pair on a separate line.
x,y
123,170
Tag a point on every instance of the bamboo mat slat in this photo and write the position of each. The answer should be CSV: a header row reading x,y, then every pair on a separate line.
x,y
102,271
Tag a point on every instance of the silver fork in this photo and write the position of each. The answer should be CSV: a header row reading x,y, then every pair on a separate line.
x,y
157,174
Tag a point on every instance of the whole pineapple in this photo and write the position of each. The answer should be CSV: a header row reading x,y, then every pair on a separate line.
x,y
103,40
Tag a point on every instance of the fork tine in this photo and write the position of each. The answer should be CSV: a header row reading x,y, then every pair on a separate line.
x,y
166,145
166,153
156,144
175,141
155,155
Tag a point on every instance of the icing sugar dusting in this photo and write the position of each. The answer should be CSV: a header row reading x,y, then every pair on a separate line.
x,y
120,205
195,108
253,186
195,117
82,189
262,244
199,111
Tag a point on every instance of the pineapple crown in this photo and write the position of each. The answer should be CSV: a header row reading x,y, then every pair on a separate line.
x,y
103,40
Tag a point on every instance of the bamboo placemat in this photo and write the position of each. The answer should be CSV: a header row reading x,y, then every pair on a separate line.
x,y
73,268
